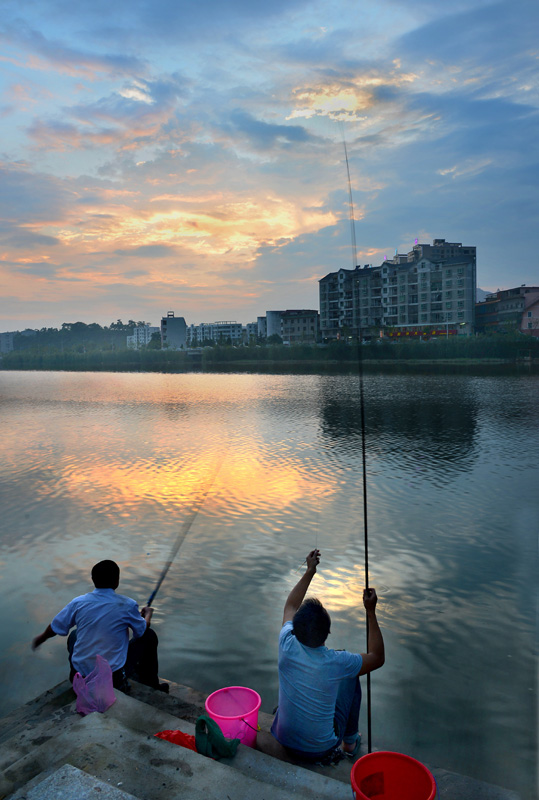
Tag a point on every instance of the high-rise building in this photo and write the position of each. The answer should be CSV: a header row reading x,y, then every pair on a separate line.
x,y
431,286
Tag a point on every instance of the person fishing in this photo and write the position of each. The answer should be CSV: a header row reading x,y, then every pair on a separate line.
x,y
319,689
103,620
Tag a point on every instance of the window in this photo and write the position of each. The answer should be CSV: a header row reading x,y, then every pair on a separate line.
x,y
449,305
448,284
460,315
423,306
460,304
448,295
529,313
423,296
423,317
530,324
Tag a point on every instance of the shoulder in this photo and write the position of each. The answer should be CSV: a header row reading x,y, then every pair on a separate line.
x,y
287,633
78,601
123,598
345,658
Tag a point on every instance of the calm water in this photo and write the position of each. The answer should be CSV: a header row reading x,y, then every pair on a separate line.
x,y
110,465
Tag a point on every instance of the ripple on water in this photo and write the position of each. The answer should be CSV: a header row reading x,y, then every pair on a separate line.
x,y
115,464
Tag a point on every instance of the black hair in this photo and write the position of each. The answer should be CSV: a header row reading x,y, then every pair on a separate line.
x,y
311,623
106,575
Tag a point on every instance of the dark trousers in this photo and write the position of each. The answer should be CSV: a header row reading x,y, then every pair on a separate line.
x,y
141,663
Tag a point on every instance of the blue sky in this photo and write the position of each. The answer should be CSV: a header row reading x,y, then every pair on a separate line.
x,y
189,156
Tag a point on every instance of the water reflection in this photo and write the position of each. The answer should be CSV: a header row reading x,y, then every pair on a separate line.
x,y
427,424
111,466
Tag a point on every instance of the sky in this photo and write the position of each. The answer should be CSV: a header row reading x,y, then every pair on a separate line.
x,y
189,156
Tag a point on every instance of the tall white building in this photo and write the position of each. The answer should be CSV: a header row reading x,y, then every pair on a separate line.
x,y
142,335
432,286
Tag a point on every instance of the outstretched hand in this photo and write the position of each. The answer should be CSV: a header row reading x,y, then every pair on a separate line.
x,y
313,560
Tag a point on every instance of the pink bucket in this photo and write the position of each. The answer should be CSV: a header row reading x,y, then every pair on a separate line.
x,y
235,710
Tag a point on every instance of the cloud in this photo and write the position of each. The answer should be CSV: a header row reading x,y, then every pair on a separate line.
x,y
27,196
265,135
204,142
23,239
45,52
147,251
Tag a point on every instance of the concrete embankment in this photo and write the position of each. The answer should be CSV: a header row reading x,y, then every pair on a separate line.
x,y
49,752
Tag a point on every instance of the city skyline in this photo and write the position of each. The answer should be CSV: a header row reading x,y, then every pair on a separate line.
x,y
190,157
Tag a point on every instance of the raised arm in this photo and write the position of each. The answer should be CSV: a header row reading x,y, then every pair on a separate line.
x,y
296,596
375,658
48,633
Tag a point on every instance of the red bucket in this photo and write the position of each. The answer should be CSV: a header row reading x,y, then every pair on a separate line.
x,y
391,776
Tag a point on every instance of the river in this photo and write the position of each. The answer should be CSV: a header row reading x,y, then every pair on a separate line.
x,y
109,465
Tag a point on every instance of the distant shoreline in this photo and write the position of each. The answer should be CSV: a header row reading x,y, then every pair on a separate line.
x,y
471,366
468,354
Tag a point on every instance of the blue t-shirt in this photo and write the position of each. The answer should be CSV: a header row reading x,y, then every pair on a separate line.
x,y
309,680
103,619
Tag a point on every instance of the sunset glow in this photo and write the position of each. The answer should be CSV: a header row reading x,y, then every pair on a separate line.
x,y
194,161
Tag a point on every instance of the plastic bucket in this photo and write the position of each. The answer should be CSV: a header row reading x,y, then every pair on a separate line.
x,y
391,776
235,710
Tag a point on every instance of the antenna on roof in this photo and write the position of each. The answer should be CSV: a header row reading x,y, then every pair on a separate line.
x,y
350,205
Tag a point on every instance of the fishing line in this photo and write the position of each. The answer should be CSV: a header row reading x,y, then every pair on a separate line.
x,y
184,530
363,445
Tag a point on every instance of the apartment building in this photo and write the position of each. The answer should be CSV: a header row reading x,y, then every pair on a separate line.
x,y
142,335
299,325
223,331
429,290
508,309
6,341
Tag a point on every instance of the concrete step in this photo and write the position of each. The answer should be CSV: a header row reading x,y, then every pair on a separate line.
x,y
119,747
70,783
52,708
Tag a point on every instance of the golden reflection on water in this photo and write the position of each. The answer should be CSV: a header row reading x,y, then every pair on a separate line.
x,y
220,479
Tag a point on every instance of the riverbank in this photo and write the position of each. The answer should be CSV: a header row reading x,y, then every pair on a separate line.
x,y
466,354
47,750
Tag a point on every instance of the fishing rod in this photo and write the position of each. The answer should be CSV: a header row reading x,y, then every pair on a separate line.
x,y
184,530
363,445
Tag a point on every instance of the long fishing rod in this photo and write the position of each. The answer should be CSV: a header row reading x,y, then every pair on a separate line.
x,y
184,530
363,445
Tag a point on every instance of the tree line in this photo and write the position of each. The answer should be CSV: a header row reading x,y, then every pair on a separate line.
x,y
77,337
